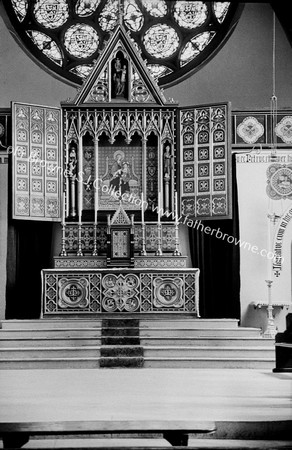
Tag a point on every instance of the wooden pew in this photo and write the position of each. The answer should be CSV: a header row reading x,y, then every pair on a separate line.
x,y
176,432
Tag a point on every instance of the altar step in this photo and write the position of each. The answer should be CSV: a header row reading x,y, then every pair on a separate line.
x,y
161,342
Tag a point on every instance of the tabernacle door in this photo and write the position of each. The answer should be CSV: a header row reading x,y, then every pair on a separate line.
x,y
36,162
205,161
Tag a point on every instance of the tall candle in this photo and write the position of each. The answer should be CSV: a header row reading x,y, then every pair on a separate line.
x,y
95,203
95,216
63,209
80,214
142,208
175,206
159,206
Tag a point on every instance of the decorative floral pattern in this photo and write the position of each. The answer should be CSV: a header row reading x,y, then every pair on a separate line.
x,y
279,183
100,291
284,129
250,130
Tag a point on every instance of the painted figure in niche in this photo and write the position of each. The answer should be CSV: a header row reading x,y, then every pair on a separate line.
x,y
125,178
121,174
116,170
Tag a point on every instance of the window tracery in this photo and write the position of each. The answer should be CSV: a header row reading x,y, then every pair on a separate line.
x,y
174,37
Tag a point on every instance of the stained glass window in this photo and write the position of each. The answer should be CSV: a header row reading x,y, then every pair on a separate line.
x,y
51,13
190,14
174,37
221,9
85,8
195,46
161,41
133,16
156,8
46,45
20,8
81,40
109,15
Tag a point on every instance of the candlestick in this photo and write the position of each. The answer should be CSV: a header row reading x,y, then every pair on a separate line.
x,y
159,207
271,330
143,251
176,250
80,216
95,217
63,209
142,208
63,250
175,206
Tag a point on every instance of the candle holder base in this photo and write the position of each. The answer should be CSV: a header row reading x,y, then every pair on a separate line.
x,y
270,333
271,330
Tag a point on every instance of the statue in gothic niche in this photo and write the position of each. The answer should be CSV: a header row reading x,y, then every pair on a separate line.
x,y
167,162
119,76
72,173
72,161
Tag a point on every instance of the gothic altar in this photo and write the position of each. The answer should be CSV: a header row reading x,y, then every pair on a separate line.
x,y
120,166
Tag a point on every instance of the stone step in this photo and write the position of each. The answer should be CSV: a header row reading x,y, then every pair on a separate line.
x,y
199,332
199,341
42,342
50,363
49,352
189,323
51,333
208,352
39,324
209,363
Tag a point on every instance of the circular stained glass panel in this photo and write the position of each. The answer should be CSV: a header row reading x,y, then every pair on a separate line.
x,y
161,41
81,40
190,14
51,13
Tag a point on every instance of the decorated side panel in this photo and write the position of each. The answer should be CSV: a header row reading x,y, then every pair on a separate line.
x,y
36,162
205,162
5,129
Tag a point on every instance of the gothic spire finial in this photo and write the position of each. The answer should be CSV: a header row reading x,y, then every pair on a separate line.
x,y
120,13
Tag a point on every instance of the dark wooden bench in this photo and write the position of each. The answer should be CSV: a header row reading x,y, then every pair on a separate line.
x,y
283,347
176,432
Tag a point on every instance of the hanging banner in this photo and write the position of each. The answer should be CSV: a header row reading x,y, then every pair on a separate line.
x,y
278,242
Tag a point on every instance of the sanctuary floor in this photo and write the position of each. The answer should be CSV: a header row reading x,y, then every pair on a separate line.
x,y
255,397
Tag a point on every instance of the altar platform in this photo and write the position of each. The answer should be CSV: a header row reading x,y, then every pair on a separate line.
x,y
252,405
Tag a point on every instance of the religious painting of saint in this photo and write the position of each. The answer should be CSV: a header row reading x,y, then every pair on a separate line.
x,y
120,182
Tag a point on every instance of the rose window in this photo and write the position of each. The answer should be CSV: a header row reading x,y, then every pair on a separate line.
x,y
174,37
